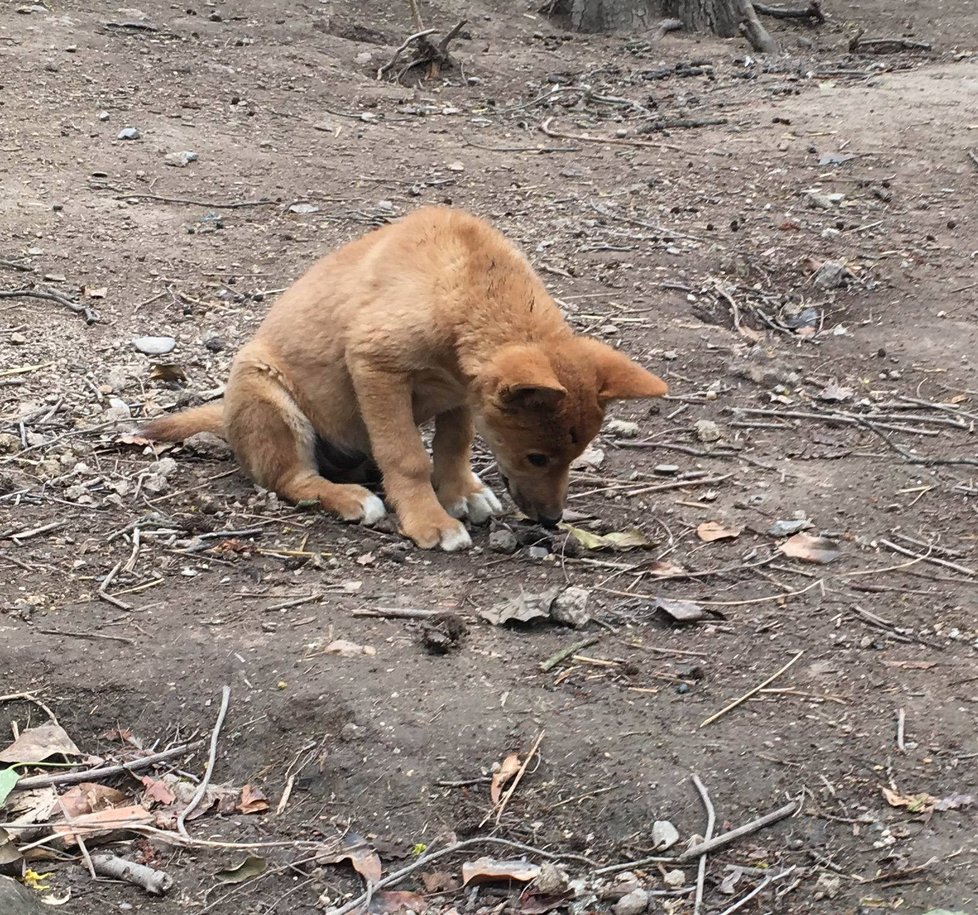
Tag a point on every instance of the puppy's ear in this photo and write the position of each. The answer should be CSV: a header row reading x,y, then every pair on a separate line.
x,y
618,377
521,377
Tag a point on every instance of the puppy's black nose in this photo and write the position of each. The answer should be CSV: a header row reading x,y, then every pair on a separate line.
x,y
551,521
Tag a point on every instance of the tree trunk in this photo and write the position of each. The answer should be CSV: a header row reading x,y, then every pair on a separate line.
x,y
725,18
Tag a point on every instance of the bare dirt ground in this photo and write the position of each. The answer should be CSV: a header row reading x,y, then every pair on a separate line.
x,y
687,251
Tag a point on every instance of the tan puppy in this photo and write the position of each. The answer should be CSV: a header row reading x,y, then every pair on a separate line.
x,y
433,317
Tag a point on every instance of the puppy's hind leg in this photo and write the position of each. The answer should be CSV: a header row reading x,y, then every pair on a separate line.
x,y
276,445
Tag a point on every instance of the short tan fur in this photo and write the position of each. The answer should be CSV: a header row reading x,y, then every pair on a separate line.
x,y
439,317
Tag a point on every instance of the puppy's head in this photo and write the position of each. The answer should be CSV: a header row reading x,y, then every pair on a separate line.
x,y
539,405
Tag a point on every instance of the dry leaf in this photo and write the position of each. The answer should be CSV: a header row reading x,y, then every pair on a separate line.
x,y
246,870
663,569
915,803
536,903
509,767
833,393
630,539
810,549
157,792
9,853
130,438
522,608
392,902
24,808
168,372
439,882
489,870
38,744
359,853
122,735
89,797
252,800
685,611
709,531
103,823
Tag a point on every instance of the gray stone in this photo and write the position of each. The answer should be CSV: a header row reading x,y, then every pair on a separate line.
x,y
633,903
623,428
129,133
503,541
16,899
154,346
831,275
180,159
570,607
707,431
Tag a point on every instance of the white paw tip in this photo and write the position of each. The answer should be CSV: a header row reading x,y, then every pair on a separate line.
x,y
480,508
459,510
457,539
490,497
373,510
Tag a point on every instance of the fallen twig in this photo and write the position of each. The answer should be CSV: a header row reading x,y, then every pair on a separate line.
x,y
565,653
934,560
90,315
767,881
725,838
102,772
751,692
884,45
155,882
401,613
813,11
711,819
18,536
612,141
901,725
209,771
973,156
209,204
93,636
426,859
407,41
662,124
516,780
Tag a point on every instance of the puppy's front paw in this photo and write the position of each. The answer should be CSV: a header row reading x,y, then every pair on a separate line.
x,y
477,502
448,534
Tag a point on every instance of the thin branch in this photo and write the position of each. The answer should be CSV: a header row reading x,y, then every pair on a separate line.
x,y
209,771
103,772
711,819
726,838
90,315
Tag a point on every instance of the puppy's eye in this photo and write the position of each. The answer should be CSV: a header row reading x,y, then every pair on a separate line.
x,y
537,460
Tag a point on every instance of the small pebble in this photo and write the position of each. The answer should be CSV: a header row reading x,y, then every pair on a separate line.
x,y
503,541
623,428
180,159
129,133
18,339
154,346
666,470
632,903
104,115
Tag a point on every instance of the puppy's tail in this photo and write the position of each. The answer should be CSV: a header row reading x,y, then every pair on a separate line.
x,y
178,426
